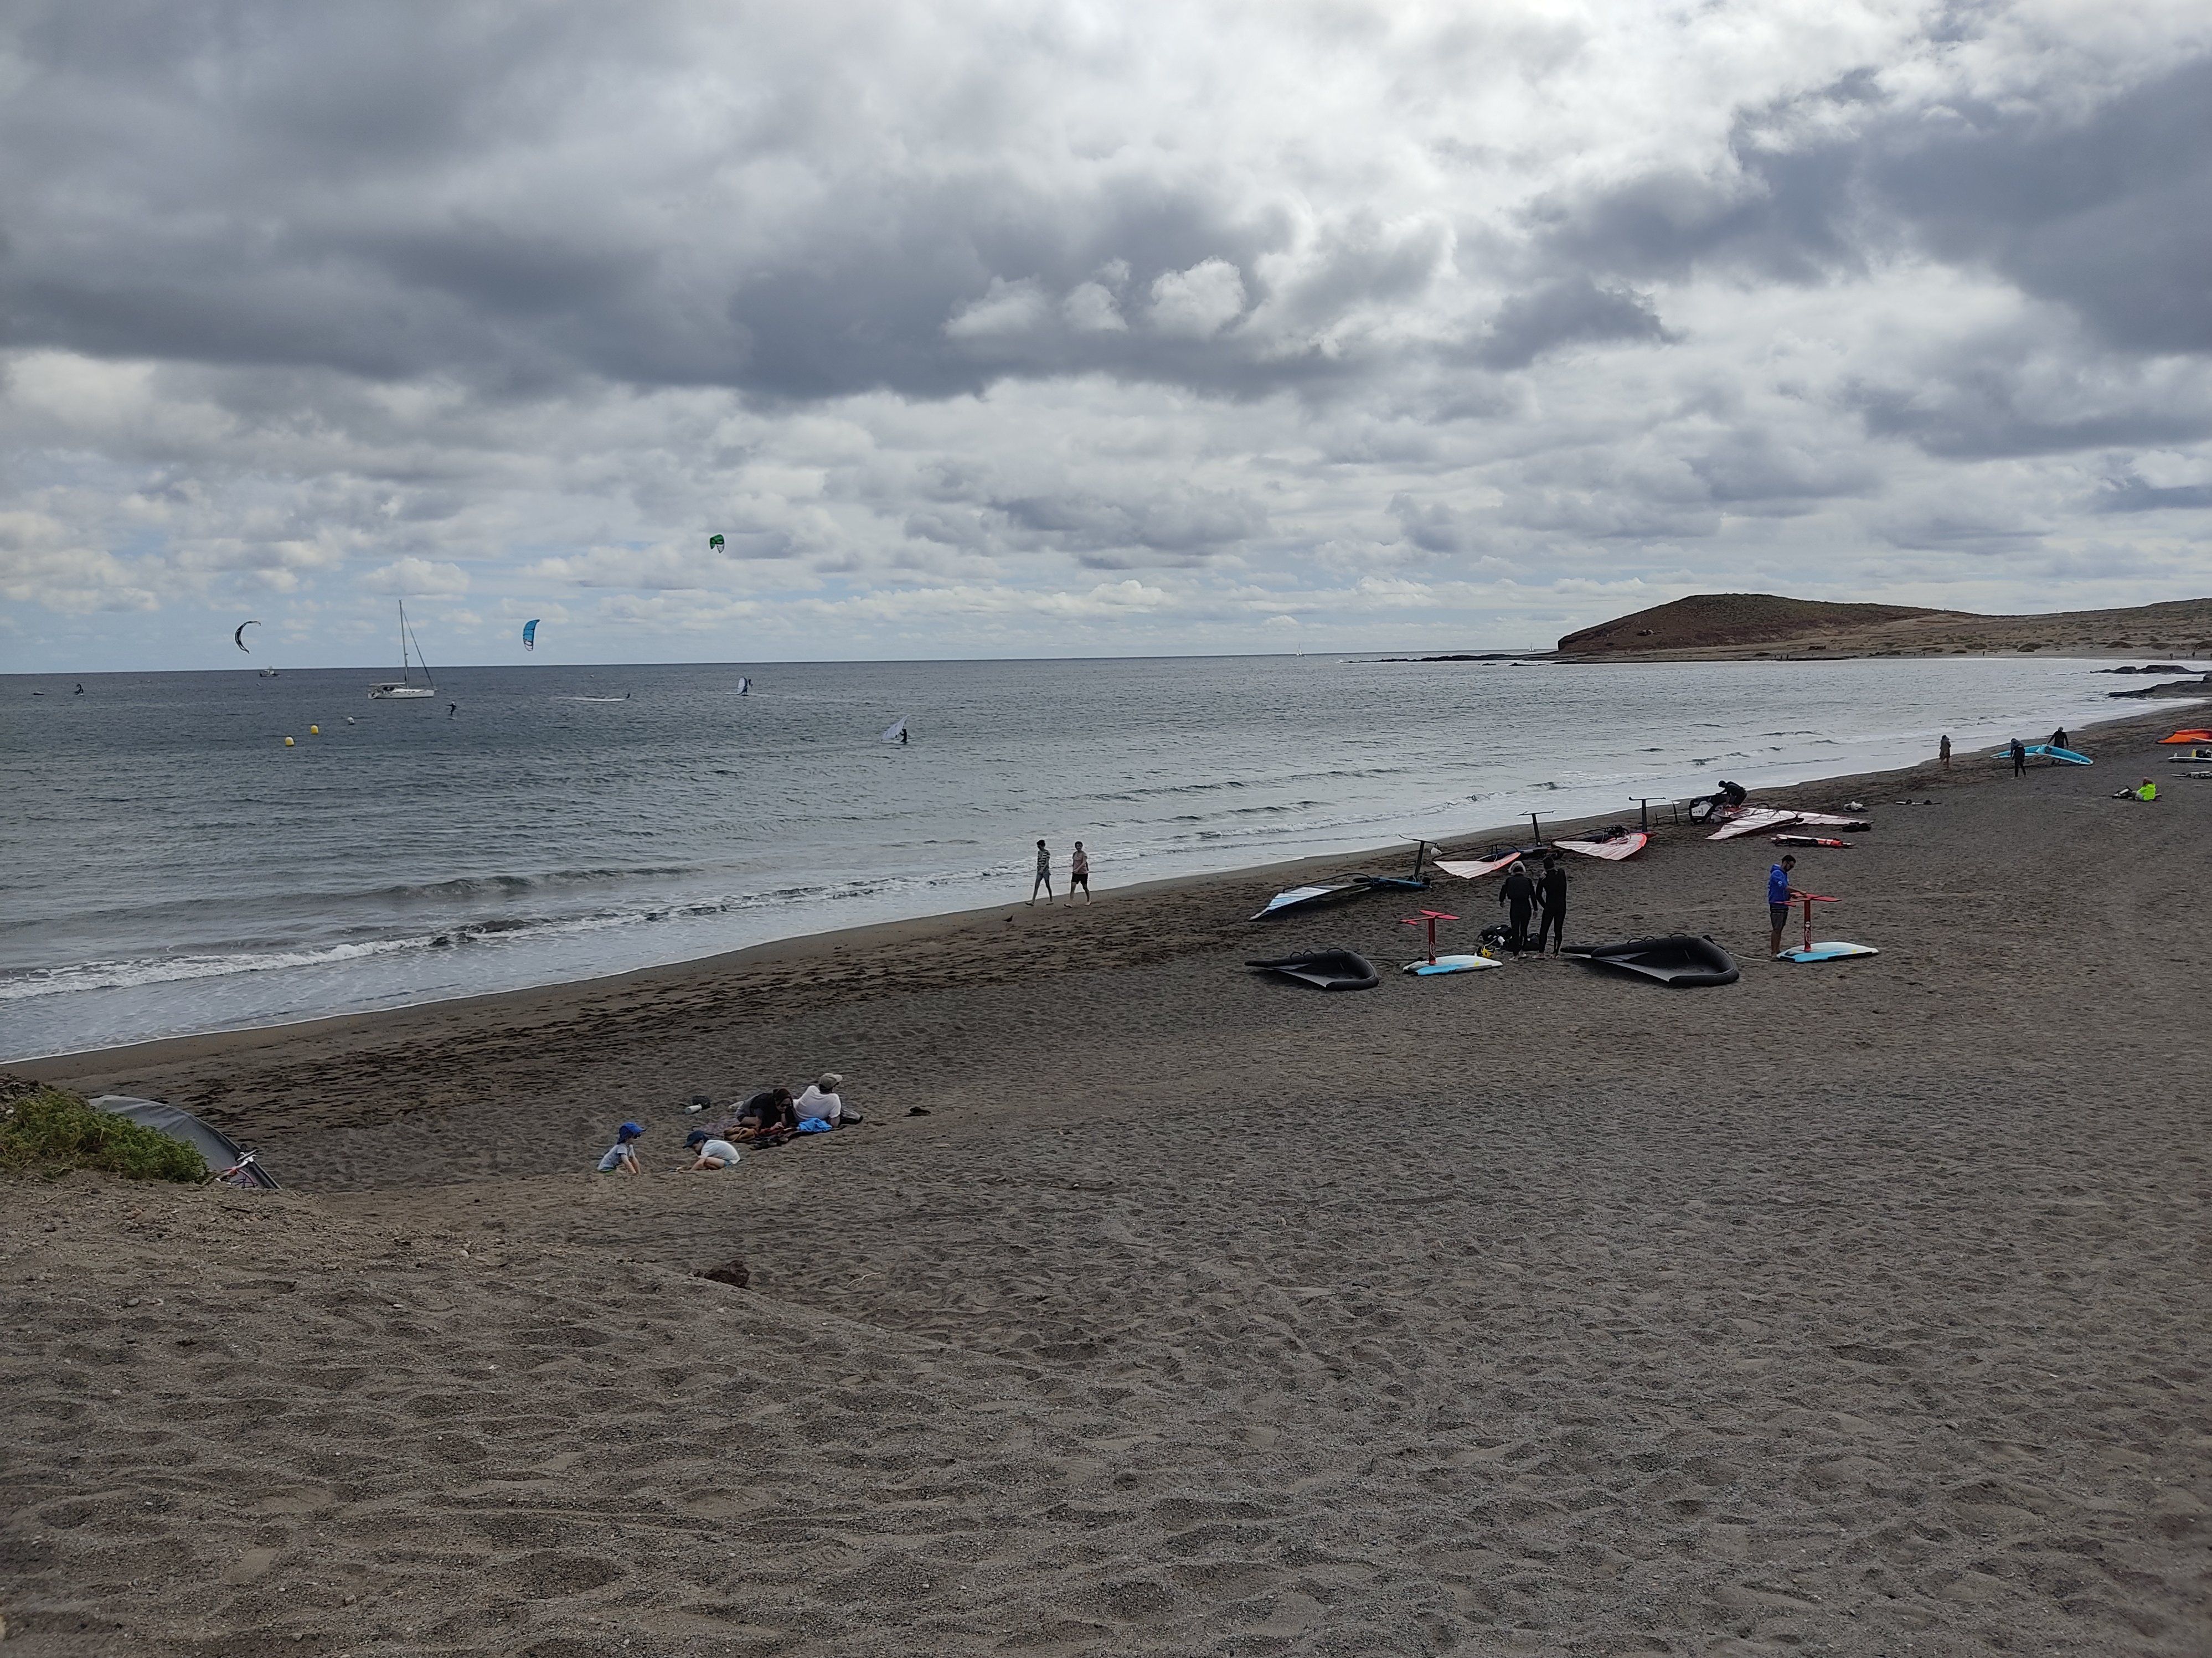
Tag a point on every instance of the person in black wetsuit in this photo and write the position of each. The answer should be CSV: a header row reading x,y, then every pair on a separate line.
x,y
2058,739
2019,752
1552,899
1518,893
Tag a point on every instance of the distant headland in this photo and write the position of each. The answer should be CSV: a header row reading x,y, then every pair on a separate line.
x,y
1743,627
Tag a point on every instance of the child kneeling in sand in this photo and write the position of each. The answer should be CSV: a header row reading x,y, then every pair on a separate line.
x,y
622,1155
710,1152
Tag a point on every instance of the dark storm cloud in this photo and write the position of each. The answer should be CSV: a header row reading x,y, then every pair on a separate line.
x,y
2134,495
2107,212
1572,311
1989,403
1183,523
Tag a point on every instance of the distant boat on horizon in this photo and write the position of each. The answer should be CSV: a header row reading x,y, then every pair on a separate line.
x,y
392,690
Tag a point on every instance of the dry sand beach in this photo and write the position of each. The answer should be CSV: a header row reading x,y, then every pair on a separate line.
x,y
1859,1308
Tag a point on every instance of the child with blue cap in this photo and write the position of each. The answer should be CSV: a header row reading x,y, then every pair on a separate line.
x,y
622,1155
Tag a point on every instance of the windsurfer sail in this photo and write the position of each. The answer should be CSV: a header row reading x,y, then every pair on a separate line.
x,y
895,732
745,685
529,635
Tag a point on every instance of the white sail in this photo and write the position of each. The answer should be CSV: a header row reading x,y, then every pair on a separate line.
x,y
405,685
895,732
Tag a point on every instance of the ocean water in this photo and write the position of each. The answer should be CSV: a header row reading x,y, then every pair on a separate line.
x,y
166,865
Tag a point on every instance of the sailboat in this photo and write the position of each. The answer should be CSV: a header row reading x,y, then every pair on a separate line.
x,y
405,685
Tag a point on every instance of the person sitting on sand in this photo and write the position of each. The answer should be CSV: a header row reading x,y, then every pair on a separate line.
x,y
2148,791
622,1155
820,1103
709,1152
768,1117
1779,895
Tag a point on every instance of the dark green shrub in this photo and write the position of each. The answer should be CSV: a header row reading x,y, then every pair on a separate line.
x,y
49,1132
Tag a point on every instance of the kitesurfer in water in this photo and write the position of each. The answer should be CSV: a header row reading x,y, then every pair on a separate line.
x,y
452,710
1779,894
1043,875
1518,894
1552,905
80,688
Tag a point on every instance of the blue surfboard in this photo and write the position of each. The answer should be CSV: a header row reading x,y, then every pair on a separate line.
x,y
1828,952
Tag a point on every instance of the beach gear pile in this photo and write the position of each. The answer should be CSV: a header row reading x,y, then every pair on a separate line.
x,y
768,1117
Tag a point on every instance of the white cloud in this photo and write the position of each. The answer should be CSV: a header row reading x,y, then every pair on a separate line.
x,y
1092,308
1199,302
410,577
1016,308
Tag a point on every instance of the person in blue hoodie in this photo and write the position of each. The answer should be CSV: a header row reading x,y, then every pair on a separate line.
x,y
1779,895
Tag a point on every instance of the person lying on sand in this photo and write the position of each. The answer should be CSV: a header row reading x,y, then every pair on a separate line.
x,y
769,1118
820,1101
709,1152
622,1155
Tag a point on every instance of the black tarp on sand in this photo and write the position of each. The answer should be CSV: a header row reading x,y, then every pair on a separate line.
x,y
219,1150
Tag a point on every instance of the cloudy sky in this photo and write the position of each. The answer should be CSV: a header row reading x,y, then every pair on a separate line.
x,y
1085,329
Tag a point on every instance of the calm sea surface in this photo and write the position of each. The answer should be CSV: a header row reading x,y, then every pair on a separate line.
x,y
167,866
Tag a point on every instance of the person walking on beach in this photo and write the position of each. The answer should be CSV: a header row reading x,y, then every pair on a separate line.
x,y
1079,874
1944,750
1779,894
2019,758
1517,894
1552,905
2058,739
1043,875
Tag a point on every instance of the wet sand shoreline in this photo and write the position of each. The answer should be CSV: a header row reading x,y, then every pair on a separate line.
x,y
797,953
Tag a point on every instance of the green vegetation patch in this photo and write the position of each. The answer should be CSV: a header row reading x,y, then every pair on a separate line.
x,y
47,1131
